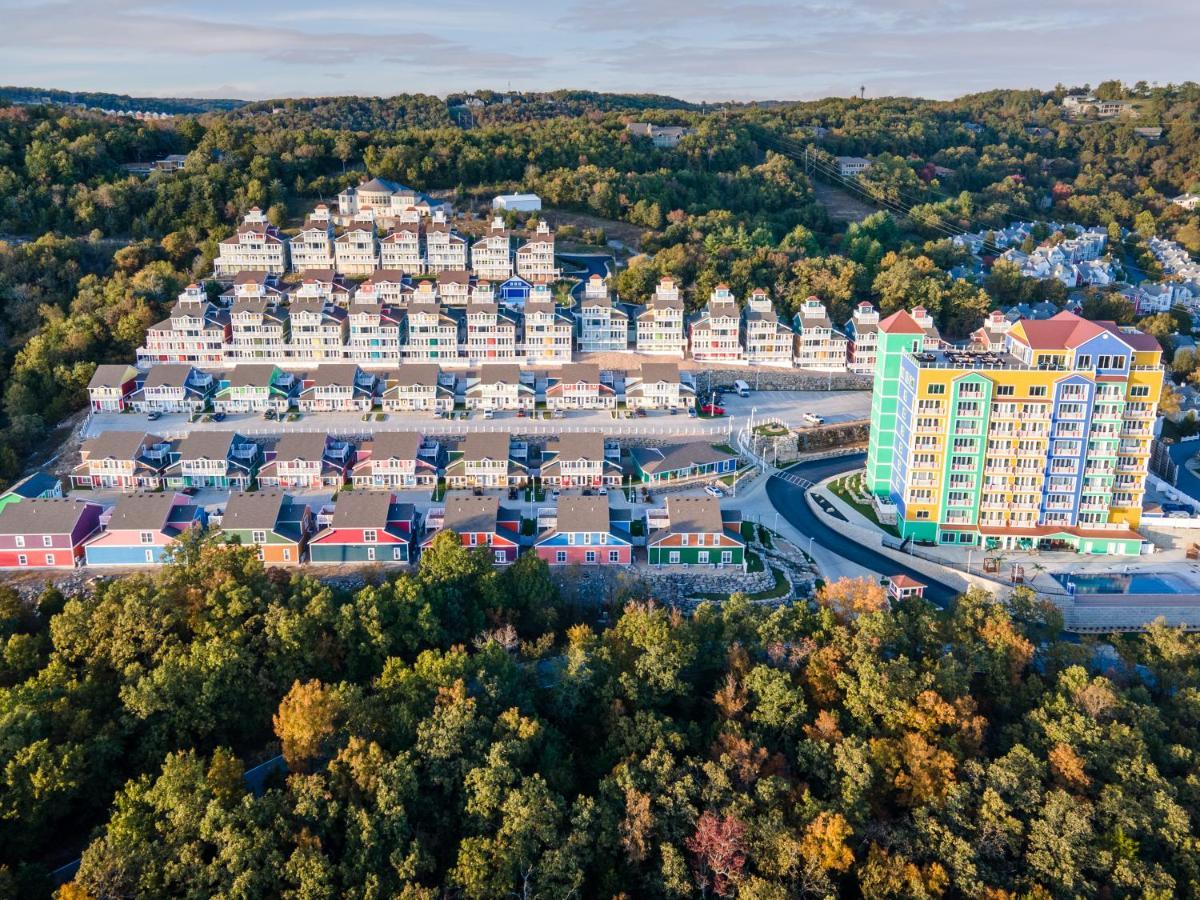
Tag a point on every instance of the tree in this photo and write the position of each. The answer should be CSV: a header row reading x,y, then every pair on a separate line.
x,y
718,853
307,722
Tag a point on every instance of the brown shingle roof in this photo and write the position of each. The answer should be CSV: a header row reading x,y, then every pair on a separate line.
x,y
583,514
36,516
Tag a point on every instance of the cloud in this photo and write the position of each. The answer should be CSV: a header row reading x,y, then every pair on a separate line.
x,y
696,49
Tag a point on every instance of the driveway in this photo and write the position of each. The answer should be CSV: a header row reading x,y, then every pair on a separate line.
x,y
788,498
835,407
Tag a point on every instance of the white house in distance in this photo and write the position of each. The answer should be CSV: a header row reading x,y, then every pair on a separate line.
x,y
852,166
1188,201
517,203
665,136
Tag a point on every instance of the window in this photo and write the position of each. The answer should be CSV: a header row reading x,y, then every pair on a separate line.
x,y
726,557
20,540
371,554
398,553
560,556
1038,390
261,555
147,537
287,554
1139,390
673,558
702,557
149,556
1005,390
590,556
614,556
370,535
258,537
47,540
500,556
22,559
49,559
936,389
1084,361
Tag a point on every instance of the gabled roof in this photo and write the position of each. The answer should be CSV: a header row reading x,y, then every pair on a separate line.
x,y
168,375
370,509
252,375
119,444
206,445
112,376
694,514
480,445
304,445
583,514
394,445
677,456
335,375
900,322
579,445
466,513
660,371
418,374
579,373
376,185
500,373
33,486
257,510
49,516
143,512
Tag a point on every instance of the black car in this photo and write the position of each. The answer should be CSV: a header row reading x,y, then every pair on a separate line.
x,y
218,417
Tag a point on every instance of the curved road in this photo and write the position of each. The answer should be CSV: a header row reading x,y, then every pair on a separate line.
x,y
791,503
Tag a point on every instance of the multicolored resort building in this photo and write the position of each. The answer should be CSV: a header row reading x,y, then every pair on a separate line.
x,y
1034,437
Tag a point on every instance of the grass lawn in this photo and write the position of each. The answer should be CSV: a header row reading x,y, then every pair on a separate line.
x,y
439,490
841,488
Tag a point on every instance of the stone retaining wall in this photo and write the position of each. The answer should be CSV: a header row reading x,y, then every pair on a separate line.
x,y
771,379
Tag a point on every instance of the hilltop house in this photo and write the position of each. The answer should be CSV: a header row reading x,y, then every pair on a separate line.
x,y
395,460
535,258
659,327
337,387
818,344
767,340
479,522
716,336
584,533
499,386
579,386
218,459
127,460
694,531
255,387
547,332
142,529
418,387
603,326
111,387
364,527
578,460
486,461
256,246
658,386
173,388
307,460
271,521
46,533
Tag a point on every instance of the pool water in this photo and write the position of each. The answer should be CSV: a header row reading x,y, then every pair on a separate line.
x,y
1133,583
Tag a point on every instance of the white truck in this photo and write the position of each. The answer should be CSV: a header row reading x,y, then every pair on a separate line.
x,y
743,389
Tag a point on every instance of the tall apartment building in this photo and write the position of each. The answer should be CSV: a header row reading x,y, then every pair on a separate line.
x,y
1045,443
767,340
312,246
862,336
716,335
818,344
318,331
603,326
257,246
660,325
260,327
356,250
491,255
196,332
547,331
535,258
445,248
385,286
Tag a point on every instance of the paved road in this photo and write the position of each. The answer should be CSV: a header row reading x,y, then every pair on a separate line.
x,y
789,407
788,498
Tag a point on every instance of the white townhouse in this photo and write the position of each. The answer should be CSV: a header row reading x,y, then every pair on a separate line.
x,y
312,246
432,333
196,332
385,286
257,246
401,249
547,331
491,255
659,326
862,339
499,386
767,340
580,386
658,385
603,326
445,248
454,288
174,388
535,258
356,250
818,344
318,331
491,333
851,166
260,330
418,387
374,333
716,335
337,387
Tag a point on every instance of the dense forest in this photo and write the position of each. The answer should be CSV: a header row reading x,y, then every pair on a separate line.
x,y
121,102
467,732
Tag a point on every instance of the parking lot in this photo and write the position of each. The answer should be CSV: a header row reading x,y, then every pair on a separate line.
x,y
789,407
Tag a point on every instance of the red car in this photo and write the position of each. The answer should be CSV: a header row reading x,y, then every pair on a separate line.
x,y
710,410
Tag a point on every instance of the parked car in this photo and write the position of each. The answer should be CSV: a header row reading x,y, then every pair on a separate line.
x,y
603,492
554,494
1177,511
710,409
641,413
154,415
219,417
269,414
812,418
713,491
489,414
560,414
520,413
691,412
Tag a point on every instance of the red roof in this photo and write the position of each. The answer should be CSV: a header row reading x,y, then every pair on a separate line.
x,y
903,581
901,322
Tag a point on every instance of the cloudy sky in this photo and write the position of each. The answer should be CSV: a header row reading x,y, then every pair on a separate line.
x,y
695,49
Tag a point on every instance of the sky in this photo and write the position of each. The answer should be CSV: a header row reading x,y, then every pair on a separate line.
x,y
692,49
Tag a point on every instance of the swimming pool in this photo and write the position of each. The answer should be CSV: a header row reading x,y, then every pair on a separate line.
x,y
1121,583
